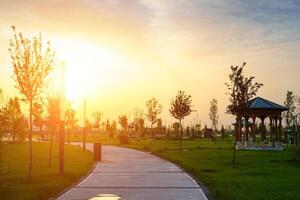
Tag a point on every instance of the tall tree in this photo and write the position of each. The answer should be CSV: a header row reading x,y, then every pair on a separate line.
x,y
70,120
97,116
240,90
32,63
181,107
290,114
153,110
123,121
213,115
113,128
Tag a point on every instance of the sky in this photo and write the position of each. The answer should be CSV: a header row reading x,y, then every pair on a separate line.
x,y
120,53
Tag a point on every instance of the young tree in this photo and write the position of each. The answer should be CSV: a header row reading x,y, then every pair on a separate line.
x,y
31,63
240,89
153,110
180,108
97,119
123,121
213,115
289,115
70,120
113,128
53,119
107,125
37,112
14,117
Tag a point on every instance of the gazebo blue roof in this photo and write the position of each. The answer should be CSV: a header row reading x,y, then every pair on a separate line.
x,y
261,103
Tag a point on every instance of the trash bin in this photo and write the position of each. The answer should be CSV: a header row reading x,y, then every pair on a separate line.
x,y
106,197
97,151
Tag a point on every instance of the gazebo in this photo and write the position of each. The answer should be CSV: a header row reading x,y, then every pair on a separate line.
x,y
259,108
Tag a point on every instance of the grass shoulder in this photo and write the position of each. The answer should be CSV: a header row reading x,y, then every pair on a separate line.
x,y
46,182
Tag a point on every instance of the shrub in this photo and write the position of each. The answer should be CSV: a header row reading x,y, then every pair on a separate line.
x,y
124,139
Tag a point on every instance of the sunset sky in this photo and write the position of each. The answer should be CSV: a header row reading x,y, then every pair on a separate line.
x,y
119,53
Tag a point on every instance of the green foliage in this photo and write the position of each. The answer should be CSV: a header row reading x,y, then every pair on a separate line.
x,y
213,114
31,63
153,110
97,116
70,118
123,121
240,88
13,119
181,106
290,114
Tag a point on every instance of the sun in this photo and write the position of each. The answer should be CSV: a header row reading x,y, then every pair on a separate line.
x,y
90,68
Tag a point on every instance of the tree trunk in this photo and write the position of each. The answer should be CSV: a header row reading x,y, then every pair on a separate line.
x,y
50,148
14,135
68,135
41,132
180,138
237,129
30,140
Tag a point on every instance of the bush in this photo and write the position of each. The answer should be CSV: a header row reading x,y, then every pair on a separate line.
x,y
124,139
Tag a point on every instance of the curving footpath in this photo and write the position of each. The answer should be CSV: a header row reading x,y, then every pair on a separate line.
x,y
135,175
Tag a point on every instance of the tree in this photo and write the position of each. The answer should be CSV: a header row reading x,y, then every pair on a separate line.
x,y
53,120
37,112
180,108
176,127
290,114
15,119
70,120
123,121
113,129
31,63
138,116
153,110
240,89
97,119
213,115
107,125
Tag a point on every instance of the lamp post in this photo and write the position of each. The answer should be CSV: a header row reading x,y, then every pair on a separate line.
x,y
84,124
61,119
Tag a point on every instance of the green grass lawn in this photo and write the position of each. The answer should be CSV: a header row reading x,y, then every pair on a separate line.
x,y
259,174
46,182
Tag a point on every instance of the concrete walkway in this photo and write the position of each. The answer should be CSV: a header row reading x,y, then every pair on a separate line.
x,y
135,175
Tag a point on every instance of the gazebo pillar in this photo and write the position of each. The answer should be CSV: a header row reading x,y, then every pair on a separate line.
x,y
246,130
253,129
262,134
280,129
272,131
276,130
